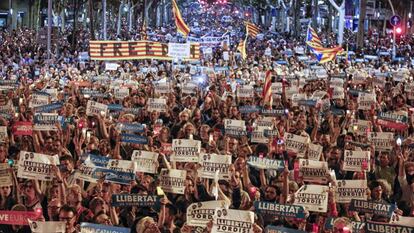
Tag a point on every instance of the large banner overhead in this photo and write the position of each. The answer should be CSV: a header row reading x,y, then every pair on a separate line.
x,y
133,50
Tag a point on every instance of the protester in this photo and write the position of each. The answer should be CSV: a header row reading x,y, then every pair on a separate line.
x,y
196,145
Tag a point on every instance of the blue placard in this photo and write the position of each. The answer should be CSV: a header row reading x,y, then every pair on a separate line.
x,y
132,110
49,107
389,116
98,228
372,207
274,209
115,107
309,103
135,139
8,82
96,160
119,177
249,109
134,200
137,128
371,227
273,112
280,229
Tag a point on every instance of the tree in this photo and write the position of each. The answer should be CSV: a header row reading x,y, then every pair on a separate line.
x,y
341,25
362,14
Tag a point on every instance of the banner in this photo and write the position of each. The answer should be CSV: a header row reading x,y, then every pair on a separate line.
x,y
46,121
265,163
47,227
371,227
280,229
209,41
401,220
371,207
17,217
392,120
357,161
177,50
98,228
312,198
276,210
235,128
186,150
351,189
314,151
134,139
296,144
95,160
189,88
36,166
273,112
314,171
158,105
131,127
172,181
229,220
146,161
258,135
6,178
382,141
87,93
200,213
134,200
249,109
93,107
48,107
22,128
135,50
210,163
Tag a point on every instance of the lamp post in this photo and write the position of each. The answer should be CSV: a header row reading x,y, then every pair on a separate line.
x,y
49,28
394,52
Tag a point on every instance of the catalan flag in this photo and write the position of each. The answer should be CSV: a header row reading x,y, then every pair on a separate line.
x,y
179,21
242,48
313,37
252,29
325,54
267,89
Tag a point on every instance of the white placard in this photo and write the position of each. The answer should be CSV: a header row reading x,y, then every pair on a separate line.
x,y
158,105
360,127
338,93
314,171
53,92
121,93
235,127
39,100
46,121
366,101
257,135
200,213
5,175
296,144
177,50
226,56
47,227
382,141
189,88
3,134
245,91
146,161
210,163
230,220
351,189
93,107
172,181
162,87
314,151
277,88
122,165
111,66
312,198
36,166
357,161
186,150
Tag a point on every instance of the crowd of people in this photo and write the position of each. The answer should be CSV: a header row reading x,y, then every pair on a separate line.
x,y
333,136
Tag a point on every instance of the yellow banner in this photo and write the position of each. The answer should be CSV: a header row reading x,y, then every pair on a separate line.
x,y
134,50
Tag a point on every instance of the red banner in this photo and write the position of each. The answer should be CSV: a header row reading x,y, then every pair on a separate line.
x,y
22,128
18,217
392,125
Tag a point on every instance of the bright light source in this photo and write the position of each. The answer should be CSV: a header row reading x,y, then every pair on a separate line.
x,y
11,11
398,30
409,15
236,12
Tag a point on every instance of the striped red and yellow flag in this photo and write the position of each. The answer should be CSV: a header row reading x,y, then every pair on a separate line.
x,y
179,21
252,29
267,89
242,48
